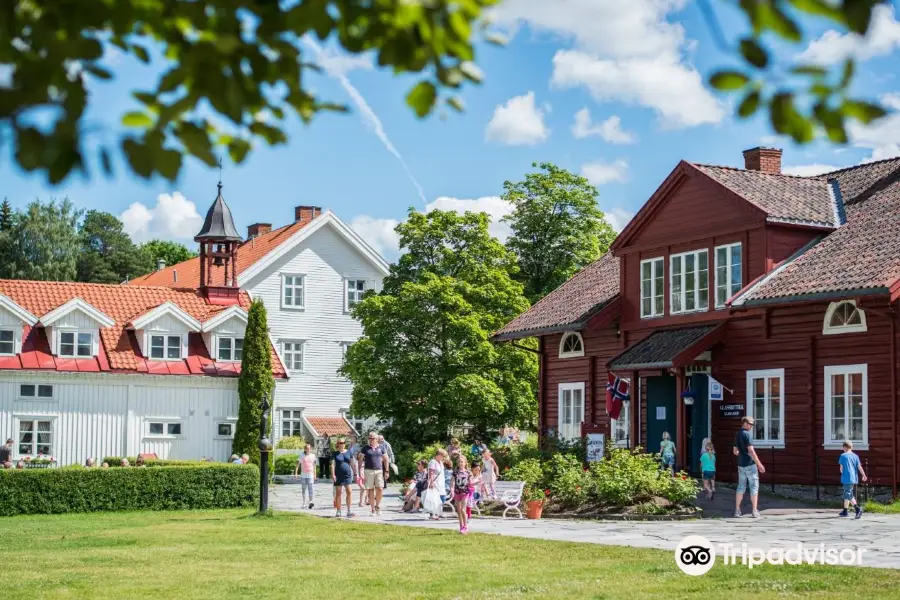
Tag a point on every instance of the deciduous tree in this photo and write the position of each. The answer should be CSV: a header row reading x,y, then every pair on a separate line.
x,y
171,252
424,360
557,228
44,243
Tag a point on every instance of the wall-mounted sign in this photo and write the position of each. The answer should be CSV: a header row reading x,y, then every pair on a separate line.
x,y
730,411
660,413
595,446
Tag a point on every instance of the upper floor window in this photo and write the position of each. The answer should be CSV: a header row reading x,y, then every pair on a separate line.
x,y
231,349
165,347
293,291
76,344
7,341
729,278
652,287
690,282
571,345
292,352
844,317
355,289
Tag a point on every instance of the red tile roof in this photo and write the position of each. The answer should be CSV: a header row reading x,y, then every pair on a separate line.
x,y
248,253
571,304
329,426
784,198
119,350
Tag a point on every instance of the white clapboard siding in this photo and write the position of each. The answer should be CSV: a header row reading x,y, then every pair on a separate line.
x,y
76,319
103,414
327,260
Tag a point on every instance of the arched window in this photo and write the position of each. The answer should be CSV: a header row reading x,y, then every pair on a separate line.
x,y
844,317
571,345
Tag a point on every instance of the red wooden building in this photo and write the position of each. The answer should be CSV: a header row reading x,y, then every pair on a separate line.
x,y
782,288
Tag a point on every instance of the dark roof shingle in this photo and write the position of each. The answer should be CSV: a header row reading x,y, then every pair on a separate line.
x,y
571,304
660,348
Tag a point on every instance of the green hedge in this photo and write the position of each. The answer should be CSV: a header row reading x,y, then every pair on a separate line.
x,y
116,461
285,463
49,491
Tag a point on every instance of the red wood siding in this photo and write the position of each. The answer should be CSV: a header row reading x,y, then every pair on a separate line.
x,y
784,241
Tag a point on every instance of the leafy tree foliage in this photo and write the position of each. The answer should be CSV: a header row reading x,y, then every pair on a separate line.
x,y
424,360
107,253
255,382
557,228
171,252
803,99
43,243
243,60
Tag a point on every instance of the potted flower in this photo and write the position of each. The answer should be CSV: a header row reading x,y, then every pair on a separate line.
x,y
534,501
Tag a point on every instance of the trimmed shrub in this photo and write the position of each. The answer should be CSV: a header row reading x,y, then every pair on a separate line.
x,y
628,477
285,463
291,442
50,491
116,461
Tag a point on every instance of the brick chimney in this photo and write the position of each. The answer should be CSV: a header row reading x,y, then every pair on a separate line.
x,y
258,229
767,160
306,213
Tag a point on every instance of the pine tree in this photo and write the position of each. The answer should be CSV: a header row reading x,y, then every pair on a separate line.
x,y
256,381
6,215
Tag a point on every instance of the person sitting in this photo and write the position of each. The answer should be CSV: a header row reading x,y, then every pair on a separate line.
x,y
7,465
90,463
245,458
235,460
20,464
124,463
105,465
413,498
139,462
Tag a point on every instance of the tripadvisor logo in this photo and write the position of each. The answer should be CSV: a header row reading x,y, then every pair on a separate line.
x,y
695,555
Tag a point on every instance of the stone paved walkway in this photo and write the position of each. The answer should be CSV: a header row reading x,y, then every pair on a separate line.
x,y
782,526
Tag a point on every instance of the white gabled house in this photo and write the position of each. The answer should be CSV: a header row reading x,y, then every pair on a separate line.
x,y
309,274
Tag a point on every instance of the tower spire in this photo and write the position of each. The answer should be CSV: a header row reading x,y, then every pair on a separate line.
x,y
220,176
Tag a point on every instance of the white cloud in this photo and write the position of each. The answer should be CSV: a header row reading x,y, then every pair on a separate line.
x,y
610,129
809,170
623,52
173,218
337,66
519,122
378,233
833,46
600,172
336,62
618,217
882,137
495,206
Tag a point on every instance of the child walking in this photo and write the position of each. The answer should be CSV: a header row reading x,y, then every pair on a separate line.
x,y
461,491
490,474
667,452
851,471
708,469
306,464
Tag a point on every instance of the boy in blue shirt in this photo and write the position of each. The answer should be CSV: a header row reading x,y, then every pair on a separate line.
x,y
851,469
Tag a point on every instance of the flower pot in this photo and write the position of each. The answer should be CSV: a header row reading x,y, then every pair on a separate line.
x,y
534,508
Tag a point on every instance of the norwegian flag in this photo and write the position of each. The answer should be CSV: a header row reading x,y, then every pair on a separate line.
x,y
616,394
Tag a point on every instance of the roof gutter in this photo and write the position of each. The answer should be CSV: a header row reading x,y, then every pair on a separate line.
x,y
817,297
537,331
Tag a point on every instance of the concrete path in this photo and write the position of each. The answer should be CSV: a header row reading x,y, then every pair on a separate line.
x,y
781,526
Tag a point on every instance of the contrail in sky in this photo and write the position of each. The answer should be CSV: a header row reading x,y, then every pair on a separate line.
x,y
336,69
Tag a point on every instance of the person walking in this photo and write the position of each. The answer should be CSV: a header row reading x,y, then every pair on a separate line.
x,y
749,468
436,481
490,473
6,452
454,449
462,476
389,453
851,471
374,464
342,475
306,464
708,469
667,452
477,449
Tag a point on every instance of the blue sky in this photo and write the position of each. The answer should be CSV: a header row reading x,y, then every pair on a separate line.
x,y
613,90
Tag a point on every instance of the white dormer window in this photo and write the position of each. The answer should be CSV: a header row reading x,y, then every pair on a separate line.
x,y
7,342
293,291
230,349
571,345
76,344
844,317
166,347
355,290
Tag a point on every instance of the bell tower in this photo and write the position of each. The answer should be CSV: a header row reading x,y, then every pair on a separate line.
x,y
219,241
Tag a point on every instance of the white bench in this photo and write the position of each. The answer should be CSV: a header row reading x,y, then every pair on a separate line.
x,y
510,494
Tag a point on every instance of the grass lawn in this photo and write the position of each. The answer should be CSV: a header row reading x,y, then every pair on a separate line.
x,y
227,554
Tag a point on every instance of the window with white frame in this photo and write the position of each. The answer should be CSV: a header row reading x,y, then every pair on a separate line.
x,y
166,428
571,345
230,349
621,427
571,410
844,317
293,290
292,353
357,424
355,289
36,391
765,404
35,436
291,423
652,287
7,342
847,406
690,282
225,429
729,276
166,347
76,344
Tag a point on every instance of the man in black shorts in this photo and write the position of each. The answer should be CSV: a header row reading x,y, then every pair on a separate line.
x,y
342,474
